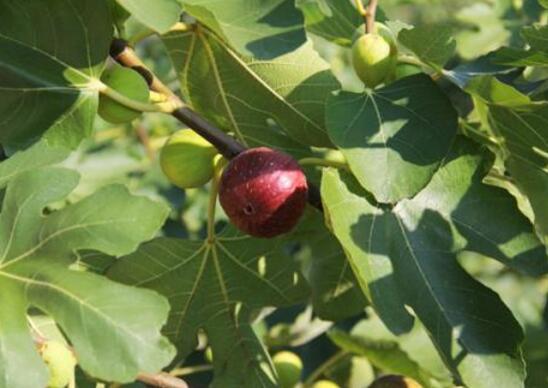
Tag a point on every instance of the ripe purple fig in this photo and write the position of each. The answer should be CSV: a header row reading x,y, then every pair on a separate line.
x,y
263,192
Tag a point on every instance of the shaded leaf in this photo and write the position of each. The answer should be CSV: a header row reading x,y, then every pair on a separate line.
x,y
432,44
107,323
525,133
53,80
262,29
393,138
262,102
214,286
418,241
333,20
158,15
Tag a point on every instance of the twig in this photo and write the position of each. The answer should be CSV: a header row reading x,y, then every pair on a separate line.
x,y
142,134
324,367
362,11
162,380
370,16
225,144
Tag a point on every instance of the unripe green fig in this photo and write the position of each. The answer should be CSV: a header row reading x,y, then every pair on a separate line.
x,y
289,367
325,384
375,56
208,355
395,381
60,361
128,83
187,159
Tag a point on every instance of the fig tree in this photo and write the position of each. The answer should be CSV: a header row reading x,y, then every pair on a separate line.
x,y
375,56
289,367
128,83
395,381
60,361
263,192
325,384
187,159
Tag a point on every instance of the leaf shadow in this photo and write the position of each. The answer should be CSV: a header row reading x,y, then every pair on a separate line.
x,y
286,16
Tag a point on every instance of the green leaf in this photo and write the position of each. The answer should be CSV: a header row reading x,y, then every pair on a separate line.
x,y
50,53
393,138
486,30
333,20
107,323
335,294
492,91
432,44
385,355
524,134
411,354
214,286
485,65
39,155
537,37
262,102
418,242
159,15
262,29
515,57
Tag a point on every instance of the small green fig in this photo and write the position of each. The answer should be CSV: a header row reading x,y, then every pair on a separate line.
x,y
60,361
208,355
187,159
325,384
128,83
375,56
395,381
289,367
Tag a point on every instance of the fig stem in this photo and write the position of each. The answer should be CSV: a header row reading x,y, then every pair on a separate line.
x,y
185,371
315,375
370,16
212,206
225,144
362,11
131,103
323,163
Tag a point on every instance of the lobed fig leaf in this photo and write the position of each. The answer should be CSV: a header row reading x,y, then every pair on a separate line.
x,y
187,159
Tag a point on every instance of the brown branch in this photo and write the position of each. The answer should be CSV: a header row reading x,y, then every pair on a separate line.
x,y
225,144
370,16
160,380
142,134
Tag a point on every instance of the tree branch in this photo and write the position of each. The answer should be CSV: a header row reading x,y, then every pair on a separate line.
x,y
225,144
370,16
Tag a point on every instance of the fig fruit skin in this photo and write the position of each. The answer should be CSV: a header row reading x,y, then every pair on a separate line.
x,y
288,367
263,192
60,361
374,59
395,381
127,82
325,384
187,159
